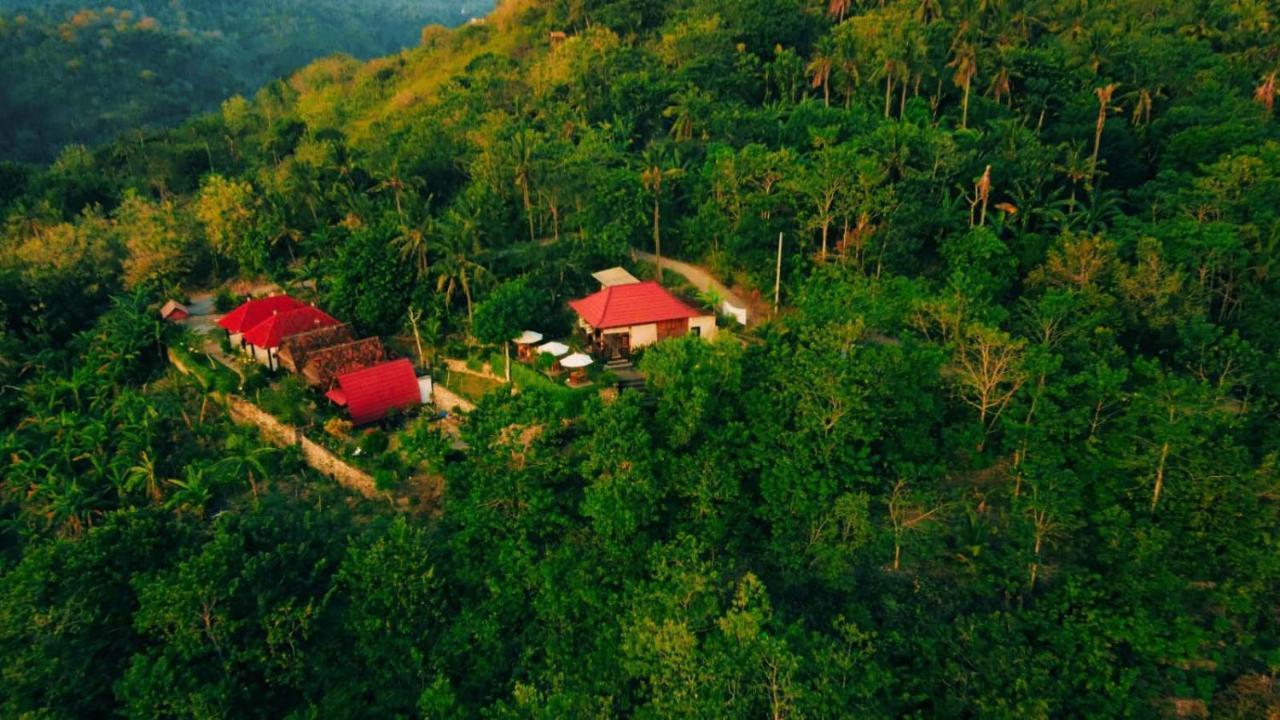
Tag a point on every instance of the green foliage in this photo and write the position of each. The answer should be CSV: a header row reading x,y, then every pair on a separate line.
x,y
155,65
1007,449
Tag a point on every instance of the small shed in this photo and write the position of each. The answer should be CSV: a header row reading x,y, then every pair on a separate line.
x,y
370,393
174,311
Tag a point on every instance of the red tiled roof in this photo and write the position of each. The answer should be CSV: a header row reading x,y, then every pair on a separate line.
x,y
255,311
371,392
634,304
269,332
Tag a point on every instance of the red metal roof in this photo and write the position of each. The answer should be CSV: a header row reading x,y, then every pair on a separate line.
x,y
269,332
371,392
634,304
255,311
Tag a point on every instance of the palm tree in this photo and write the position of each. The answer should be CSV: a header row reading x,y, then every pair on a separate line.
x,y
143,476
523,149
244,458
1104,94
1075,168
819,70
686,106
658,167
457,268
397,185
414,245
966,64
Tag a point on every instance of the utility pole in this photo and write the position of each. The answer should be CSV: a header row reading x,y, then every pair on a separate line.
x,y
777,278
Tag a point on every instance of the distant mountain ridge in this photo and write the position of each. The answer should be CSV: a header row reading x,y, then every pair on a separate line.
x,y
83,72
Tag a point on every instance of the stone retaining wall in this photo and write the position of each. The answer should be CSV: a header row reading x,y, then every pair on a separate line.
x,y
282,434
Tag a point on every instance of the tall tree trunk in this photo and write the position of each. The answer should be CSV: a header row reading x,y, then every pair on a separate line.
x,y
964,113
528,208
1155,493
657,237
888,93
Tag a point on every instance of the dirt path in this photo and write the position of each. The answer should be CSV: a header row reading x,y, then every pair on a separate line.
x,y
702,279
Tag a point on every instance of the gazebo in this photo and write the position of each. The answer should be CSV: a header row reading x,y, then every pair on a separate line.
x,y
577,365
554,349
524,344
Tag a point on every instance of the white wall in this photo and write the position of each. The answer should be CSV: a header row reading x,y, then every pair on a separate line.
x,y
706,325
737,313
642,335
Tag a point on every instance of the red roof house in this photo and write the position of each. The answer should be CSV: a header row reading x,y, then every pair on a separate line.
x,y
369,393
277,327
632,304
255,311
620,318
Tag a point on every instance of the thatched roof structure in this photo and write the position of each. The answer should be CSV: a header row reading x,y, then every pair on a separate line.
x,y
295,349
324,366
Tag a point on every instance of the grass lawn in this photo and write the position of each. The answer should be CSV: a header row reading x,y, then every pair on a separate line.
x,y
471,387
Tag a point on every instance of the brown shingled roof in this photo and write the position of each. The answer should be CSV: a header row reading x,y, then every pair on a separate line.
x,y
324,366
295,349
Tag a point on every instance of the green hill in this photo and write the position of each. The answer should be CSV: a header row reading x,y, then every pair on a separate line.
x,y
86,72
1007,448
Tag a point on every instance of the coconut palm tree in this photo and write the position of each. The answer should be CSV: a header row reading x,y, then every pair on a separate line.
x,y
657,167
414,244
457,267
1104,94
396,184
819,70
524,146
965,62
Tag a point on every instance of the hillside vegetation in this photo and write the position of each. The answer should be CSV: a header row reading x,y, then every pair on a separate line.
x,y
86,72
1008,449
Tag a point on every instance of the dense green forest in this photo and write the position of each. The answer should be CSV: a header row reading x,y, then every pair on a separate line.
x,y
87,71
1009,449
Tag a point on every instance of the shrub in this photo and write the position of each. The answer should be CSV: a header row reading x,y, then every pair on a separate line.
x,y
224,300
338,428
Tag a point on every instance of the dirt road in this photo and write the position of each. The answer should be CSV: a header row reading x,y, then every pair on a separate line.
x,y
701,279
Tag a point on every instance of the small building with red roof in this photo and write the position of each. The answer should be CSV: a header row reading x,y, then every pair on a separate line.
x,y
625,317
174,311
369,394
263,339
254,311
258,326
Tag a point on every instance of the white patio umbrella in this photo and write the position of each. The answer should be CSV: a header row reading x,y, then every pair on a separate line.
x,y
554,348
528,337
576,361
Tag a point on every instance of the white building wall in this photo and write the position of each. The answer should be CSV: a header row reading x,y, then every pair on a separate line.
x,y
706,325
642,335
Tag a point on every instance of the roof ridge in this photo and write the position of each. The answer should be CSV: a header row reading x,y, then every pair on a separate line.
x,y
604,309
